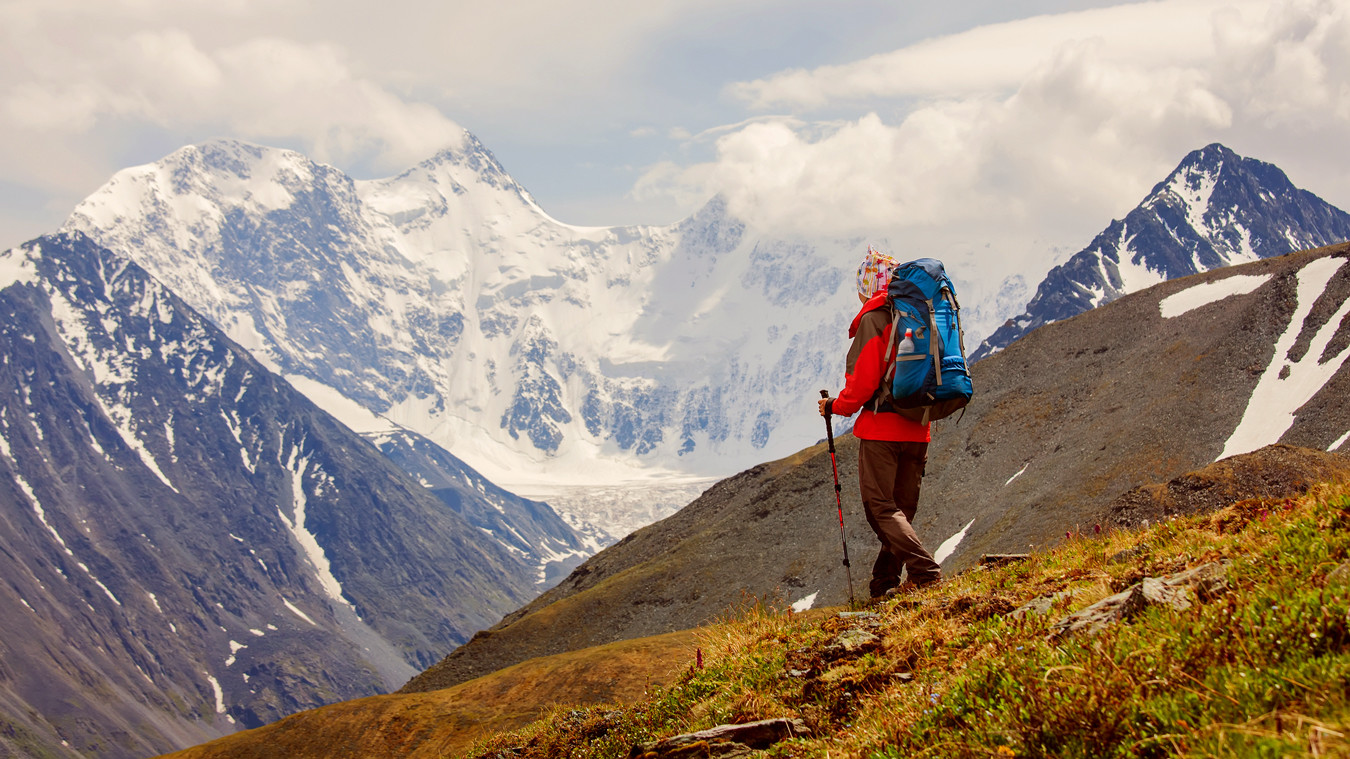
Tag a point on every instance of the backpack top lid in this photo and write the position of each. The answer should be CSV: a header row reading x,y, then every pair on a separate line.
x,y
921,278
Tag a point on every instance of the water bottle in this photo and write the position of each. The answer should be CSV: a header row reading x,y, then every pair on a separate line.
x,y
906,345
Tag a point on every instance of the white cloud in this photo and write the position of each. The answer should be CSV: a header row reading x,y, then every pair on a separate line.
x,y
1081,137
1291,69
263,89
999,57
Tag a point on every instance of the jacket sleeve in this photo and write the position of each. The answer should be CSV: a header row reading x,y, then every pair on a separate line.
x,y
865,364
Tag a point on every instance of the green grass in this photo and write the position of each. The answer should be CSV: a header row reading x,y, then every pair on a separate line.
x,y
1260,670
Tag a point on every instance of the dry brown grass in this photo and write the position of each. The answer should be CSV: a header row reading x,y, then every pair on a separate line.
x,y
446,722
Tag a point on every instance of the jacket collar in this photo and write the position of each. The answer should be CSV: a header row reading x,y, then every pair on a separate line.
x,y
876,301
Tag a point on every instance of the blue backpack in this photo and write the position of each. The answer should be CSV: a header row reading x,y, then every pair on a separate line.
x,y
926,357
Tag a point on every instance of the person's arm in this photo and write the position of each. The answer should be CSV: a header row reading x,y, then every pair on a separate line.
x,y
865,365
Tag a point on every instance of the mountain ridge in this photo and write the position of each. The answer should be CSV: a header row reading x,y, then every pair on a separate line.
x,y
209,548
444,301
481,323
1202,216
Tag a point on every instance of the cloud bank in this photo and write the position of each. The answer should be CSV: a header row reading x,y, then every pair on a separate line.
x,y
1043,127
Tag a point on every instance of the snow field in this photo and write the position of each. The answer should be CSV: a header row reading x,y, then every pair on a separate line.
x,y
1206,293
1271,408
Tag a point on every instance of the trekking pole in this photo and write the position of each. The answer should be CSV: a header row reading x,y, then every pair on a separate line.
x,y
838,499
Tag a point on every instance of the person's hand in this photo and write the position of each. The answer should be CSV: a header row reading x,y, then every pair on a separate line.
x,y
823,403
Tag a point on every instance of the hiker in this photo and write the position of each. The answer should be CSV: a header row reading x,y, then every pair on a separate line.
x,y
892,450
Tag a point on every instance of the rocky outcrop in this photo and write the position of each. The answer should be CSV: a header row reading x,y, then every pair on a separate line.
x,y
1278,471
1175,591
724,741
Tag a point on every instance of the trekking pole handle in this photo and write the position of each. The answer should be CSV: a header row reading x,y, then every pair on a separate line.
x,y
829,428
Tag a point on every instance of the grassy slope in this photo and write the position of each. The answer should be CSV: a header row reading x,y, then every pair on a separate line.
x,y
680,559
445,722
1263,670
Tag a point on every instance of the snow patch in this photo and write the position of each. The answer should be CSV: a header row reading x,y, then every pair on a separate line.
x,y
101,585
1340,442
121,417
1135,275
235,648
948,547
296,464
296,611
17,266
802,604
41,512
1015,476
1270,410
219,694
1196,199
1209,292
42,517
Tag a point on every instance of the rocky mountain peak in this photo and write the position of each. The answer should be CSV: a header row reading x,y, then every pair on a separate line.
x,y
1215,209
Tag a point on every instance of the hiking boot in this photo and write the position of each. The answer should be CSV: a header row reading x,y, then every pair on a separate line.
x,y
909,586
903,589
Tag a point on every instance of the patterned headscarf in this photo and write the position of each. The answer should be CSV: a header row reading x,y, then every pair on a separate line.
x,y
874,272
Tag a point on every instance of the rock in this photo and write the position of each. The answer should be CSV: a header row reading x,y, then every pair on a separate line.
x,y
1039,606
1340,575
723,740
1207,580
852,642
1154,592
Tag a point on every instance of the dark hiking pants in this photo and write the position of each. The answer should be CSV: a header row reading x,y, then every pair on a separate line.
x,y
889,474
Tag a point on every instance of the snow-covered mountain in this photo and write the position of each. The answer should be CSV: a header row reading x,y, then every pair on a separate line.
x,y
446,302
1215,209
189,546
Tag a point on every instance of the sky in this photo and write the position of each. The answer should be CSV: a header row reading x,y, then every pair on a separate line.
x,y
977,123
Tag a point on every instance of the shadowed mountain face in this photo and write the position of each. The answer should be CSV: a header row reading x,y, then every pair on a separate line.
x,y
1154,385
530,530
1215,209
188,545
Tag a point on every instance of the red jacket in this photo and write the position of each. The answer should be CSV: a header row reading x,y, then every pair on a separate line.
x,y
871,333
